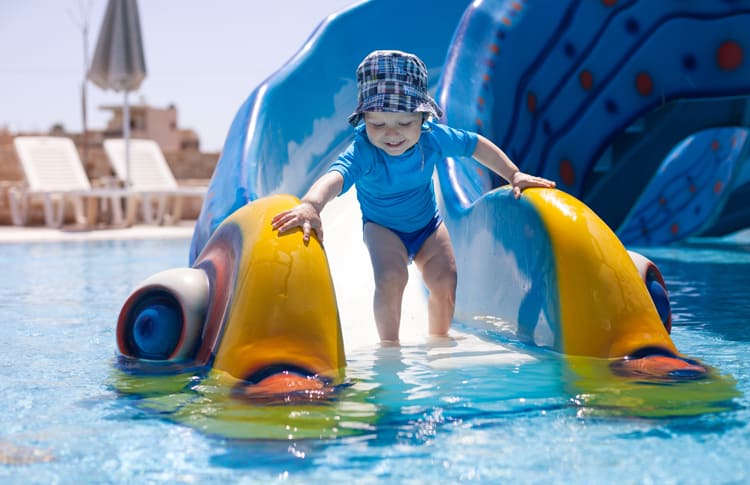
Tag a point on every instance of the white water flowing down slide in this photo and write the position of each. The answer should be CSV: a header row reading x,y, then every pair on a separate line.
x,y
351,270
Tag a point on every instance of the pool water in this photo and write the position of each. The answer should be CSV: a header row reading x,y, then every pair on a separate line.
x,y
63,421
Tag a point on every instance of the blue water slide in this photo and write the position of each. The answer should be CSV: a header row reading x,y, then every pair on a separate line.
x,y
577,91
544,268
595,95
294,123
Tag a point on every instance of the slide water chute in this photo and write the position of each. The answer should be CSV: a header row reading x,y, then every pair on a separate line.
x,y
678,202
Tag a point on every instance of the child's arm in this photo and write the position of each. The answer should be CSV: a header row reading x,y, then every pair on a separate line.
x,y
307,214
492,157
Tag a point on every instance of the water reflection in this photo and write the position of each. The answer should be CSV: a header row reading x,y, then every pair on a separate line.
x,y
439,413
425,390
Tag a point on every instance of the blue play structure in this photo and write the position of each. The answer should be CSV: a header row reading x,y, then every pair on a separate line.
x,y
597,94
637,108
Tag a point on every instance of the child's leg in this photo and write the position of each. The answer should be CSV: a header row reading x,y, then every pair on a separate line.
x,y
389,265
438,266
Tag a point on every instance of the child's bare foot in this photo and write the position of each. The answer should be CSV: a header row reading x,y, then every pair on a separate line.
x,y
390,343
445,340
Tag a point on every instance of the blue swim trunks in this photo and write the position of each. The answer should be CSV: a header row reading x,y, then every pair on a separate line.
x,y
413,241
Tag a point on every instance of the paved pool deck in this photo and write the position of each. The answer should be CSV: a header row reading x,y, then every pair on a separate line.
x,y
40,234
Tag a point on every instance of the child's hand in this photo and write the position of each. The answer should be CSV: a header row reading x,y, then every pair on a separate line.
x,y
304,216
523,180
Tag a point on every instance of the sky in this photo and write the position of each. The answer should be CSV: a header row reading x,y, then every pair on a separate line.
x,y
205,57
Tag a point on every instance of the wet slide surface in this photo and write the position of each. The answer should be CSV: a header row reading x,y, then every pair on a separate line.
x,y
352,275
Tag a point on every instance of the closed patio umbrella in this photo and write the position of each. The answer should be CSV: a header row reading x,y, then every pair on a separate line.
x,y
119,63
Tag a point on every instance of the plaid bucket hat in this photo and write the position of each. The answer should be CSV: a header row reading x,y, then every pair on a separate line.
x,y
393,81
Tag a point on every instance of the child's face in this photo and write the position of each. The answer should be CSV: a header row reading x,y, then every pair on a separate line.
x,y
394,133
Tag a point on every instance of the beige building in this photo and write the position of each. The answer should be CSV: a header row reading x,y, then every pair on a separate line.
x,y
158,124
181,148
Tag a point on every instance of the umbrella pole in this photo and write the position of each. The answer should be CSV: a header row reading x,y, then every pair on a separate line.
x,y
126,137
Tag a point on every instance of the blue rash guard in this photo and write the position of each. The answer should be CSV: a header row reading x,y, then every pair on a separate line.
x,y
397,191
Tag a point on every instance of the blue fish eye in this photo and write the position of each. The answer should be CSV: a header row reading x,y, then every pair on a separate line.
x,y
156,326
157,331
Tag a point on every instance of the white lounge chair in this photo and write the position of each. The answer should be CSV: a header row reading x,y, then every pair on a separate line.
x,y
150,178
54,173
